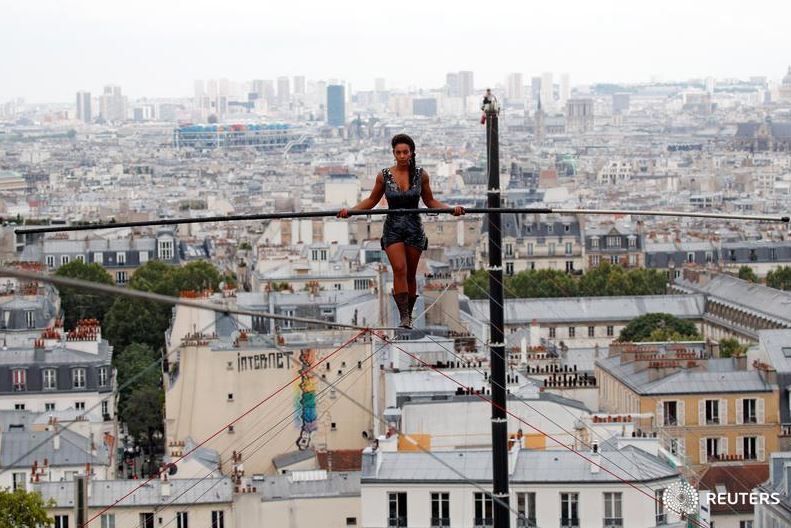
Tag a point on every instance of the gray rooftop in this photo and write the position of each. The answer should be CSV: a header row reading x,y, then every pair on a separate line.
x,y
532,467
283,487
562,310
777,345
720,377
107,492
292,457
20,449
772,303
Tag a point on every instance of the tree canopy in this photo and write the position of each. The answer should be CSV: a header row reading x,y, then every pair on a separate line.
x,y
81,304
604,280
730,347
779,278
23,509
747,273
659,327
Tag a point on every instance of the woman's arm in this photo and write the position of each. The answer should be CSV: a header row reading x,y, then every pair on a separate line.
x,y
368,203
433,203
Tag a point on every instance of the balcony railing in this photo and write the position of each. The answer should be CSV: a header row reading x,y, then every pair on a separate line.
x,y
526,522
482,522
613,522
396,521
440,522
569,523
661,518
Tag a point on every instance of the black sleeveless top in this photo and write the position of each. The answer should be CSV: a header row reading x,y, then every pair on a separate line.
x,y
398,198
406,228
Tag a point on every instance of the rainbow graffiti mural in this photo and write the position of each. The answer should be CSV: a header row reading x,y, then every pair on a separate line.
x,y
306,400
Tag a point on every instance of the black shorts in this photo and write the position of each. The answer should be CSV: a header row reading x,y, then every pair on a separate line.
x,y
404,228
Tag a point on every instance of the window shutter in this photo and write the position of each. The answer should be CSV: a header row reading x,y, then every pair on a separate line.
x,y
760,410
740,446
660,413
702,451
739,410
680,411
723,445
701,412
723,411
761,448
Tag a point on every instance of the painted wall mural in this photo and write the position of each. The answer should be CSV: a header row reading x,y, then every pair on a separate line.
x,y
307,414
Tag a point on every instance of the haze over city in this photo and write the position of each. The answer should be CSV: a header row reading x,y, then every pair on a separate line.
x,y
155,49
578,317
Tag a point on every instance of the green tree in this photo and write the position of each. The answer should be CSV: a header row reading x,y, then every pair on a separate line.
x,y
746,273
134,363
730,347
78,303
646,282
659,327
154,276
609,280
477,285
540,283
135,321
23,509
779,278
144,412
197,275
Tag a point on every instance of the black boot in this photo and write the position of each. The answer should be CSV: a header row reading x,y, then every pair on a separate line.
x,y
402,301
412,300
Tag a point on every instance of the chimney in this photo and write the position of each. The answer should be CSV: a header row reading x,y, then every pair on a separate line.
x,y
595,457
56,441
164,486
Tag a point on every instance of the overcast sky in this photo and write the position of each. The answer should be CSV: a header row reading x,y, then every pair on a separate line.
x,y
49,49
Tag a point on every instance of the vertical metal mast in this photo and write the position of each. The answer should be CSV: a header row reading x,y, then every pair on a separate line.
x,y
500,505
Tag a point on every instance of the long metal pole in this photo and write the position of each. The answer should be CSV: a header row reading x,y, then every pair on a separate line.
x,y
502,515
57,228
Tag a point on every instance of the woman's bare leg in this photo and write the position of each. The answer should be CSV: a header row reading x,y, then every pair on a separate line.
x,y
396,254
412,260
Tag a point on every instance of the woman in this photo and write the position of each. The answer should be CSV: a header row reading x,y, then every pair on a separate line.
x,y
403,238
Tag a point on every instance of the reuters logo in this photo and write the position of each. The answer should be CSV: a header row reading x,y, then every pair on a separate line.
x,y
681,498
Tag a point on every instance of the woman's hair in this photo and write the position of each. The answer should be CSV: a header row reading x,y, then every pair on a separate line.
x,y
399,139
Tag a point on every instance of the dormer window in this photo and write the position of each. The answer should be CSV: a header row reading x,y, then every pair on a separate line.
x,y
165,249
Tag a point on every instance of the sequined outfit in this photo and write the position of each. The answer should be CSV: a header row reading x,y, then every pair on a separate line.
x,y
406,228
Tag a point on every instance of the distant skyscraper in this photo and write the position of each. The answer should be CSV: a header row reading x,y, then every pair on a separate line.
x,y
200,89
535,87
283,90
336,105
84,106
379,84
513,86
565,88
299,84
257,88
452,84
466,83
112,104
547,91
